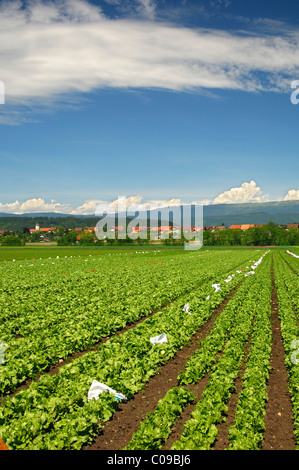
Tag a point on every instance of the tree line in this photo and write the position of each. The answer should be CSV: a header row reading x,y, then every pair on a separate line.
x,y
270,234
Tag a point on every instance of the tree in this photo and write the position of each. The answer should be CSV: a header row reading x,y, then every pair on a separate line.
x,y
87,239
35,236
60,231
293,236
12,240
69,239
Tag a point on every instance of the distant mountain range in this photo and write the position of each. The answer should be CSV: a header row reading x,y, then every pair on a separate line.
x,y
35,215
280,212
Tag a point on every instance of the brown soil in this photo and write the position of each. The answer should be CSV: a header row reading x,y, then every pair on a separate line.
x,y
279,432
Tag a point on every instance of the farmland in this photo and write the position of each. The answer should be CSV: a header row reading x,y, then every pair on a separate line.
x,y
226,378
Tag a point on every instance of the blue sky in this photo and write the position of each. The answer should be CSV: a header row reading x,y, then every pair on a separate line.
x,y
155,100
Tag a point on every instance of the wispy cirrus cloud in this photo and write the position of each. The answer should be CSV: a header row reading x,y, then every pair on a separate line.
x,y
58,47
145,9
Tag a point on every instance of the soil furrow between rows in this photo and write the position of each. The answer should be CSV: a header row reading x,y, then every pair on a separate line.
x,y
279,432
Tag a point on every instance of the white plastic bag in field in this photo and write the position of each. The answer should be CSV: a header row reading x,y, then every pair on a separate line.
x,y
159,339
186,309
217,287
250,272
2,353
97,388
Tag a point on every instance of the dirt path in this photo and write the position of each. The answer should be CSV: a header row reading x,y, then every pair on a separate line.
x,y
279,433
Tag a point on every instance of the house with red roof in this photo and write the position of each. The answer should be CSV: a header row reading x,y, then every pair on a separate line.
x,y
38,228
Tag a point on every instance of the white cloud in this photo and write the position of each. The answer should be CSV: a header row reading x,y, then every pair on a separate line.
x,y
39,205
10,207
34,205
247,192
203,202
48,50
130,203
292,195
133,204
147,8
88,207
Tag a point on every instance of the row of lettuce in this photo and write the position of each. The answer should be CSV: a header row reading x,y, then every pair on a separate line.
x,y
55,413
251,323
52,309
287,287
247,317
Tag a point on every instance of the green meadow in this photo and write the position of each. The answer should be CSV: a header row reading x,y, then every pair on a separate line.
x,y
30,252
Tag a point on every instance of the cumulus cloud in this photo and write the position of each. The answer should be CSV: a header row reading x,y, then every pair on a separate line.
x,y
49,50
134,204
130,203
89,207
34,205
292,195
10,207
247,192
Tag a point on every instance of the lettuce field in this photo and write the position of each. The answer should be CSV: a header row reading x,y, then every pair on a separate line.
x,y
183,350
